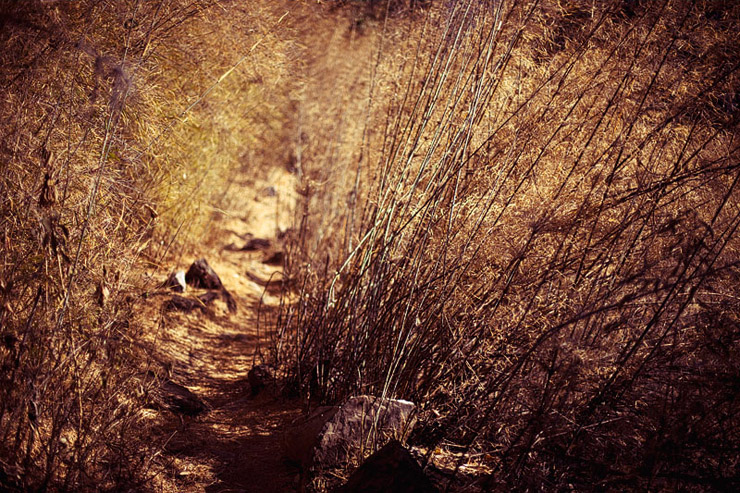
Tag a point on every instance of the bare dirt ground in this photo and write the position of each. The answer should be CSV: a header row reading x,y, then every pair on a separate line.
x,y
236,445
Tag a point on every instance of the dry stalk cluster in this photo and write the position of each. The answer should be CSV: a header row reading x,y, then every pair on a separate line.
x,y
528,225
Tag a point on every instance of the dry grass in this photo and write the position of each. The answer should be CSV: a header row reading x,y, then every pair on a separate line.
x,y
123,125
540,245
521,215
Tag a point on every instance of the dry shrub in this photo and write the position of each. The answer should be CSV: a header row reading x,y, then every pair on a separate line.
x,y
122,126
540,247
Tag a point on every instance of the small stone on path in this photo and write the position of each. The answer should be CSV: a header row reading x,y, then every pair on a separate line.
x,y
256,244
179,399
201,275
176,281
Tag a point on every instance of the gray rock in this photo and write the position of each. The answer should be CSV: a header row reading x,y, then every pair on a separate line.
x,y
351,428
330,436
392,469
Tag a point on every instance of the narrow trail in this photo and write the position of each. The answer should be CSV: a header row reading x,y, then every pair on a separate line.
x,y
236,445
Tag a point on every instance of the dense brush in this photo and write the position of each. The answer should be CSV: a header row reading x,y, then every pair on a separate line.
x,y
536,241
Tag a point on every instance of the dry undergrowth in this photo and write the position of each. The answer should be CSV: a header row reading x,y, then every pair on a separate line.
x,y
123,124
534,236
521,215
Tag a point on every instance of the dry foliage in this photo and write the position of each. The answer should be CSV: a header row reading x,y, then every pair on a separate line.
x,y
527,223
520,214
123,124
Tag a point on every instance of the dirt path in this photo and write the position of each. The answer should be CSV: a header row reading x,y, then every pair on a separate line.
x,y
236,445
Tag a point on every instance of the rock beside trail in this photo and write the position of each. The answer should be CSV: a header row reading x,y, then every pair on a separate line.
x,y
176,281
333,434
350,428
259,378
179,399
201,275
390,469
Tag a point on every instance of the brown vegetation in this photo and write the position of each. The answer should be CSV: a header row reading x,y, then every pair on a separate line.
x,y
535,239
123,125
520,214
